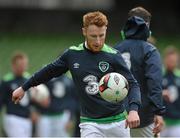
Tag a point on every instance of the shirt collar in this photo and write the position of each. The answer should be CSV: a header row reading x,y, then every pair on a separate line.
x,y
85,44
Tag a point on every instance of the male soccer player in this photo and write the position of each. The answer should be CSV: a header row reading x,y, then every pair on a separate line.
x,y
87,63
143,59
17,122
171,93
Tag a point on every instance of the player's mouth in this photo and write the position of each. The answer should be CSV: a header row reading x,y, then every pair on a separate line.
x,y
96,47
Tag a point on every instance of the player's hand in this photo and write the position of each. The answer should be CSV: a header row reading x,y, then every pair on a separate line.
x,y
133,120
17,95
166,96
158,124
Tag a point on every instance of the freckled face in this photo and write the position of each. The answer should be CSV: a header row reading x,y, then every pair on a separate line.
x,y
95,37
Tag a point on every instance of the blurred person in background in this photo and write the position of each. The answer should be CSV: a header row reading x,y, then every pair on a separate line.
x,y
16,121
171,92
143,59
57,119
88,63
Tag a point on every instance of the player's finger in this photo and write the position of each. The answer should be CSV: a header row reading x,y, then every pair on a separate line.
x,y
156,128
130,124
137,123
17,100
126,124
156,135
13,98
134,124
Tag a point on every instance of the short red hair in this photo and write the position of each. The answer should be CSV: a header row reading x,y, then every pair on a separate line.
x,y
95,18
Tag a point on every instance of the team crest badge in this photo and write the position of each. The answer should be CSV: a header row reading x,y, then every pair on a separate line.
x,y
103,66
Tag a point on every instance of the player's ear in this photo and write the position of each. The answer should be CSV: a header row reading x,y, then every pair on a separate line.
x,y
84,31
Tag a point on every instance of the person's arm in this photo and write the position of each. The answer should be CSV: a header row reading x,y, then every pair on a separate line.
x,y
153,74
54,69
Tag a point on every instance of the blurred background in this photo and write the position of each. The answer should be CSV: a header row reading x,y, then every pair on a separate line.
x,y
44,28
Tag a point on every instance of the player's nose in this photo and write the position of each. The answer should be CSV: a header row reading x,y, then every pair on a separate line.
x,y
98,41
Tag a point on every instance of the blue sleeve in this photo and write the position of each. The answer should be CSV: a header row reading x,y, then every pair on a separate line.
x,y
153,74
134,95
54,69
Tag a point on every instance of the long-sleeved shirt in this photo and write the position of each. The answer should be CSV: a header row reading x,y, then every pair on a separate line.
x,y
87,68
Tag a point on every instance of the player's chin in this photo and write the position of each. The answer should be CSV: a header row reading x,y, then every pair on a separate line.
x,y
97,49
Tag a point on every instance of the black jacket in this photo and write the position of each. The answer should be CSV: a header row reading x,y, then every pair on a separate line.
x,y
144,61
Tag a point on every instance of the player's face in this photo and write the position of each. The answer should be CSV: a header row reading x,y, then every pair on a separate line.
x,y
95,37
171,61
20,66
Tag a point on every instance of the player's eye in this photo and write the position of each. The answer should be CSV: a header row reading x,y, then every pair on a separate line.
x,y
93,36
102,35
